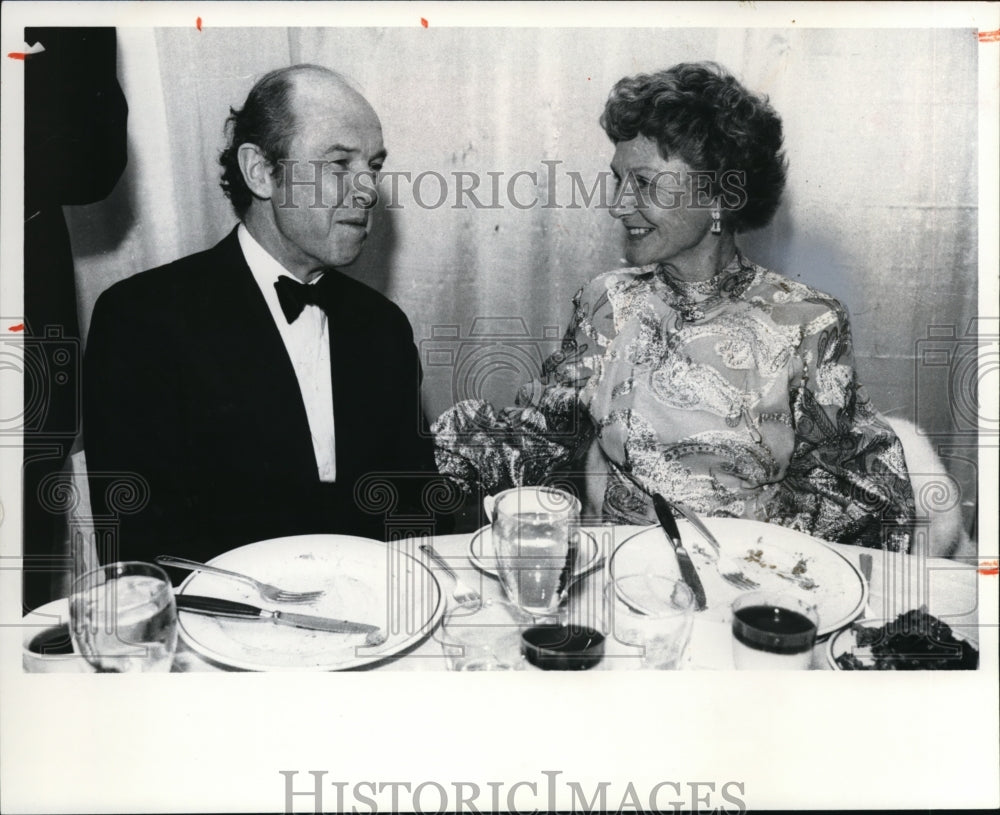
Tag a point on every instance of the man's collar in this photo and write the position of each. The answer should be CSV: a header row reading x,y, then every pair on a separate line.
x,y
266,269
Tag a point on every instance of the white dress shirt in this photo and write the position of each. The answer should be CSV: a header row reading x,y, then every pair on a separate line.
x,y
307,342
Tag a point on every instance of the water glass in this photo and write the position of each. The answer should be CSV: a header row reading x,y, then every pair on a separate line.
x,y
652,614
773,631
536,539
484,636
123,618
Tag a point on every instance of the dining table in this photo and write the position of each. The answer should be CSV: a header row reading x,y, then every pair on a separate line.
x,y
896,583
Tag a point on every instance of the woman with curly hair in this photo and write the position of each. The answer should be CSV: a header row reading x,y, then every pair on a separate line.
x,y
694,372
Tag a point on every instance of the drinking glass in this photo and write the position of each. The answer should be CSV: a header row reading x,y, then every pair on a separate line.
x,y
484,636
536,538
123,618
773,631
652,613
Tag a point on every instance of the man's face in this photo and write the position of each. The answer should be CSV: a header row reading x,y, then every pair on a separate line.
x,y
323,218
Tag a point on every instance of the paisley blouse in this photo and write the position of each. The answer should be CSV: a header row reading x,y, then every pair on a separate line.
x,y
736,396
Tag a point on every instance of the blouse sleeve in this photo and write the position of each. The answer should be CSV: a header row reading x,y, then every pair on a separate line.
x,y
847,480
547,429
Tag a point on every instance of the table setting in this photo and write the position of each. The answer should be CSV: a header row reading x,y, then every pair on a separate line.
x,y
532,590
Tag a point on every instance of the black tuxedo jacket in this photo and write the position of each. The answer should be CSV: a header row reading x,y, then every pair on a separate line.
x,y
187,383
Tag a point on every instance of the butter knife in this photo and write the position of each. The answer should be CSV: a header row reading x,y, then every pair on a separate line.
x,y
217,607
688,573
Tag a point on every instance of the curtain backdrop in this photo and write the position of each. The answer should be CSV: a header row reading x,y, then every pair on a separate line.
x,y
880,208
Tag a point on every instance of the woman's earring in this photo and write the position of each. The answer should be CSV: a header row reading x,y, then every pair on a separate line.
x,y
716,221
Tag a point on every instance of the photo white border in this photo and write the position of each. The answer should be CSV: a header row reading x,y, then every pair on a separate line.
x,y
206,742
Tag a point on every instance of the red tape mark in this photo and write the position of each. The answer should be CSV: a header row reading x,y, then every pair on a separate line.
x,y
17,55
989,568
989,36
424,22
18,327
197,23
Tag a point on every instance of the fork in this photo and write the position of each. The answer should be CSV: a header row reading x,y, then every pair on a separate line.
x,y
727,567
462,593
266,590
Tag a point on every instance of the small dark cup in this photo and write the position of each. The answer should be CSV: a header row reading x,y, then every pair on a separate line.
x,y
562,648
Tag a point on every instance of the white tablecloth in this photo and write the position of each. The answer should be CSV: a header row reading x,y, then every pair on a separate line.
x,y
898,583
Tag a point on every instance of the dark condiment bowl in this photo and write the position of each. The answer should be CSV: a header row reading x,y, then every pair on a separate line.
x,y
562,648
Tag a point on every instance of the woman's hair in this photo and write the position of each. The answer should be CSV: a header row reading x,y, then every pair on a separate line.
x,y
266,119
698,111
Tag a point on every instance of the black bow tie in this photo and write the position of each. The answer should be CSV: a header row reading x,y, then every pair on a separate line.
x,y
295,296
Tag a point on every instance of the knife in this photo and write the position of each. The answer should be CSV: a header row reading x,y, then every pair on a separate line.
x,y
688,573
217,607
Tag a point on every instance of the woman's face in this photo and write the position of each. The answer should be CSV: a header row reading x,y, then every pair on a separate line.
x,y
664,206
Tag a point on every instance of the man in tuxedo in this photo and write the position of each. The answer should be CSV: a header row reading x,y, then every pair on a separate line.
x,y
258,391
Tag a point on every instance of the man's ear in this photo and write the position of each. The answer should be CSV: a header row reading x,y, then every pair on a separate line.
x,y
256,170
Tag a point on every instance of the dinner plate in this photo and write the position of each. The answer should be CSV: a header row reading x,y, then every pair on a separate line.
x,y
482,556
846,642
774,557
363,580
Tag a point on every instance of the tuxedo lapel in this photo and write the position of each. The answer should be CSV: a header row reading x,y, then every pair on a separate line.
x,y
253,379
350,383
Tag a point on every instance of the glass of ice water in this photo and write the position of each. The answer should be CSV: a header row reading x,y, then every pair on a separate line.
x,y
535,538
123,618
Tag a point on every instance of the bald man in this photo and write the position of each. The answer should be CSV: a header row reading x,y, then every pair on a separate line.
x,y
253,387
